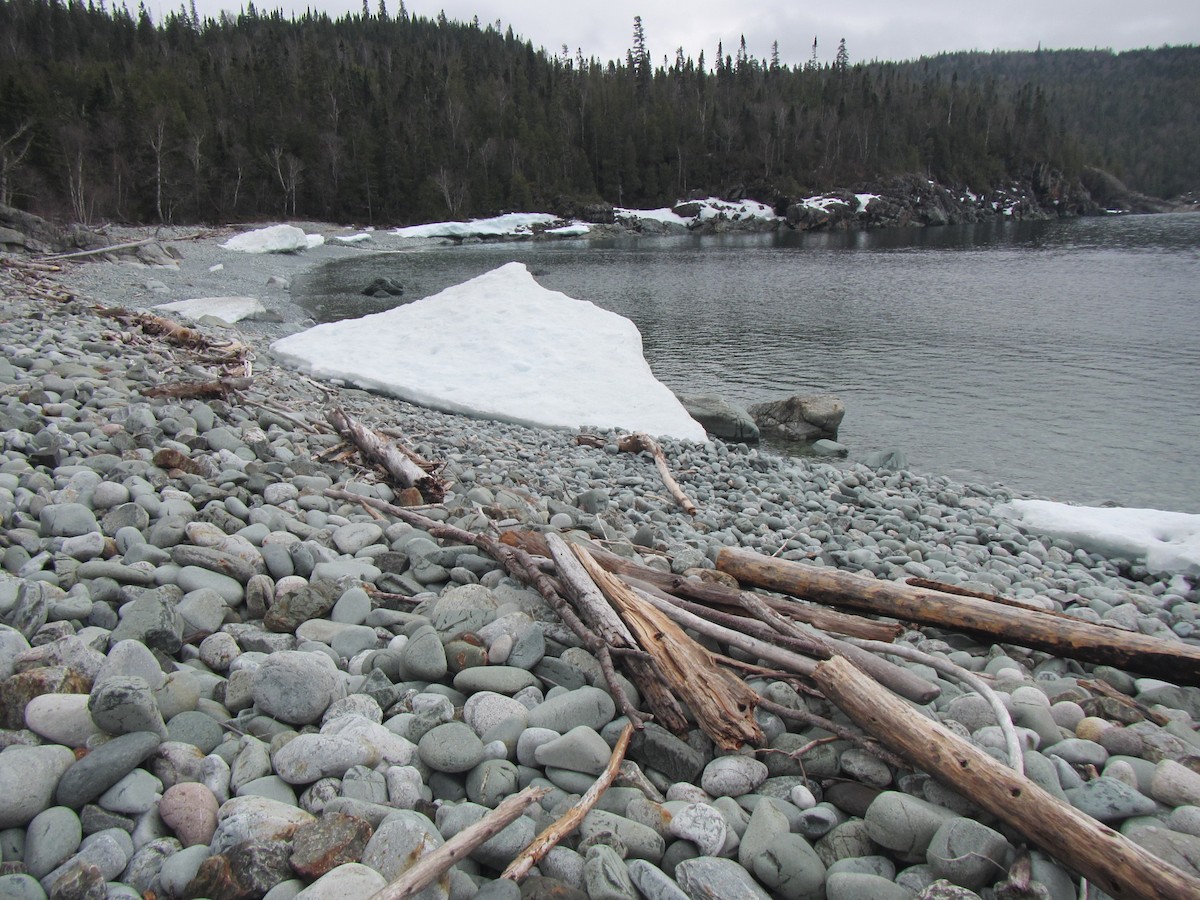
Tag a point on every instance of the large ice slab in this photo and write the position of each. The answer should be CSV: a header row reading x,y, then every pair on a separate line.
x,y
227,309
500,346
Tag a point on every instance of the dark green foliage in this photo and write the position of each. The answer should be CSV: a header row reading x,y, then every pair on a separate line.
x,y
381,117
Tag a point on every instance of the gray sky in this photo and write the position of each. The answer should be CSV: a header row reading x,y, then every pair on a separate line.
x,y
873,29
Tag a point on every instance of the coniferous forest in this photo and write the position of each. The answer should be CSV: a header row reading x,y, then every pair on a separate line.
x,y
389,118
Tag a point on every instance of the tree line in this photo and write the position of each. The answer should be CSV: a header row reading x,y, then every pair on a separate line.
x,y
392,118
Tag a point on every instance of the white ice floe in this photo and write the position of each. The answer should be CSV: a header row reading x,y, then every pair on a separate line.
x,y
864,199
500,346
353,238
1168,542
227,309
579,229
710,208
273,239
313,240
498,226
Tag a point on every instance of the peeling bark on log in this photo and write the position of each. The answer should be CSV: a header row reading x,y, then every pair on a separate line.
x,y
1104,857
721,702
1178,663
432,866
637,442
398,464
550,837
219,387
719,594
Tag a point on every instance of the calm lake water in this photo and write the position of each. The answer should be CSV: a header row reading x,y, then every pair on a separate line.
x,y
1060,358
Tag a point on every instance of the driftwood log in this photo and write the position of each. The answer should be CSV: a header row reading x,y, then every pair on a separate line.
x,y
722,703
636,443
713,594
1095,851
398,464
1063,636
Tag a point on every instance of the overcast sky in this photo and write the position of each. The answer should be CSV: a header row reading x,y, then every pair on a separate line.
x,y
873,29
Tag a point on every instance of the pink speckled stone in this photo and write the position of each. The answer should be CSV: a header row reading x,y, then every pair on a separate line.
x,y
190,809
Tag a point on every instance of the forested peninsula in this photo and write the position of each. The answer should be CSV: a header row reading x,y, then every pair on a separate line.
x,y
384,117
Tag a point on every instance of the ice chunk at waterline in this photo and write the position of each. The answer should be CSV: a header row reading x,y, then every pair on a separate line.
x,y
227,309
500,346
1169,542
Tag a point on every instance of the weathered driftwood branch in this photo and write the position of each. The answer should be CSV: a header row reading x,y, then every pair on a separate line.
x,y
719,594
636,443
1016,758
398,464
1061,635
518,564
839,732
98,251
218,387
900,680
1104,857
613,633
549,838
430,867
721,702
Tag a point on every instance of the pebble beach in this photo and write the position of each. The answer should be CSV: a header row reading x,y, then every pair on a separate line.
x,y
218,681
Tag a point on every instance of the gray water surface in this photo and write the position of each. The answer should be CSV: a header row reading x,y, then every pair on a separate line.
x,y
1060,358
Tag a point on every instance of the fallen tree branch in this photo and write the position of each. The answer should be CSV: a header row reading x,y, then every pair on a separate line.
x,y
1095,851
1178,663
549,838
707,592
396,463
721,702
430,867
637,442
219,387
112,248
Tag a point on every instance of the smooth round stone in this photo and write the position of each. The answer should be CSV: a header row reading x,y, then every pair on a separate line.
x,y
275,788
1110,800
1078,752
863,886
308,757
203,611
967,853
95,773
790,866
424,656
132,795
584,706
491,781
132,658
85,546
190,810
296,687
21,887
67,520
344,881
605,875
399,842
713,877
641,841
701,824
766,822
28,777
451,748
1090,728
180,868
353,639
218,651
865,768
498,679
1175,785
349,539
732,776
51,838
581,749
196,728
904,823
352,608
61,718
256,818
484,710
124,704
196,578
652,881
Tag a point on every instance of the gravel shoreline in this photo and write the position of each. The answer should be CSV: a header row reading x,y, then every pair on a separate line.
x,y
260,724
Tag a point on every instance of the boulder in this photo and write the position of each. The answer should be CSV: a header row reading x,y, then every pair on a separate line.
x,y
721,418
806,419
383,287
